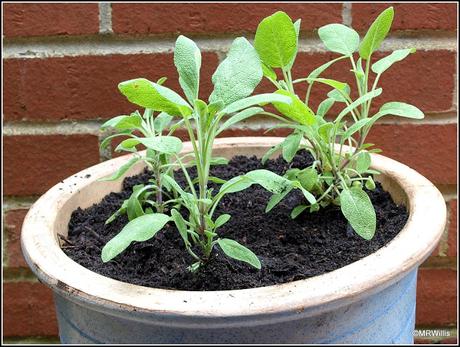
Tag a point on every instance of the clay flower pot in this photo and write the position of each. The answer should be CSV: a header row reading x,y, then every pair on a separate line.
x,y
369,301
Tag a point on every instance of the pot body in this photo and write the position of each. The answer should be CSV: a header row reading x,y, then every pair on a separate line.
x,y
369,301
385,317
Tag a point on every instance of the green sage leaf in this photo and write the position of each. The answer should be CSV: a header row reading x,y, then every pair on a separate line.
x,y
383,64
276,40
376,33
145,93
238,75
358,210
187,58
237,251
339,38
140,229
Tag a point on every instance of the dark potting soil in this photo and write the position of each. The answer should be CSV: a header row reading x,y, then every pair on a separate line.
x,y
289,250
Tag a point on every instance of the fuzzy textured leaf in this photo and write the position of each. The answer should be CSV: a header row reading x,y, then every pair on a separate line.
x,y
187,58
238,75
237,251
358,210
339,38
383,64
376,33
276,40
296,110
140,229
145,93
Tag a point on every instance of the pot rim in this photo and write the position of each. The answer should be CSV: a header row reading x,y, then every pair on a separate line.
x,y
349,283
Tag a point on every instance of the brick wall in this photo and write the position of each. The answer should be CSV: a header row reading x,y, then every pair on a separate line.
x,y
63,63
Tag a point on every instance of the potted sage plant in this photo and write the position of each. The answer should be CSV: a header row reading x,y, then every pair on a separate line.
x,y
220,240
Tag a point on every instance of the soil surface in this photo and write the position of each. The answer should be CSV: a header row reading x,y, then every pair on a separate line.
x,y
289,250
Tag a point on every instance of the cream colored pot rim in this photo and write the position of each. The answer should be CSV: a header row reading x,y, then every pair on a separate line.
x,y
352,282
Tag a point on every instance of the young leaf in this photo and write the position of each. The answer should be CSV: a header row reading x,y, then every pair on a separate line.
x,y
221,220
324,107
237,251
358,210
162,144
291,146
319,70
180,225
122,170
276,40
383,64
340,86
161,122
376,33
269,180
276,198
118,212
256,100
363,162
298,210
145,93
355,127
339,38
187,58
105,142
140,229
370,184
296,110
270,152
238,75
400,109
236,184
338,96
308,178
361,100
133,121
245,114
134,206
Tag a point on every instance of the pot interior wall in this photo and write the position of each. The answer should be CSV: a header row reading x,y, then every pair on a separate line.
x,y
92,193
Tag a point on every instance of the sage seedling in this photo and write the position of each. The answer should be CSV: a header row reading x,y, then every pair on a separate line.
x,y
234,80
338,173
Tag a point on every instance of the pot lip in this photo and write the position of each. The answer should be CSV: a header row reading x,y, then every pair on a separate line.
x,y
352,282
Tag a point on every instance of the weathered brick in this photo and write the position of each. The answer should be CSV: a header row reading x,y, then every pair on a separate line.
x,y
428,148
50,19
13,225
85,87
452,236
214,18
28,310
34,163
434,16
436,297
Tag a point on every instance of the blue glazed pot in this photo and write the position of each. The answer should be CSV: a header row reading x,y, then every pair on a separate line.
x,y
369,301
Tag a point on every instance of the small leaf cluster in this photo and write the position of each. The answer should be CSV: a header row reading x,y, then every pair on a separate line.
x,y
341,167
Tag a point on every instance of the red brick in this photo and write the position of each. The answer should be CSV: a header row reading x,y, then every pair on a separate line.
x,y
50,19
428,148
424,79
34,163
28,310
436,297
449,341
214,18
452,236
13,225
85,87
435,16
